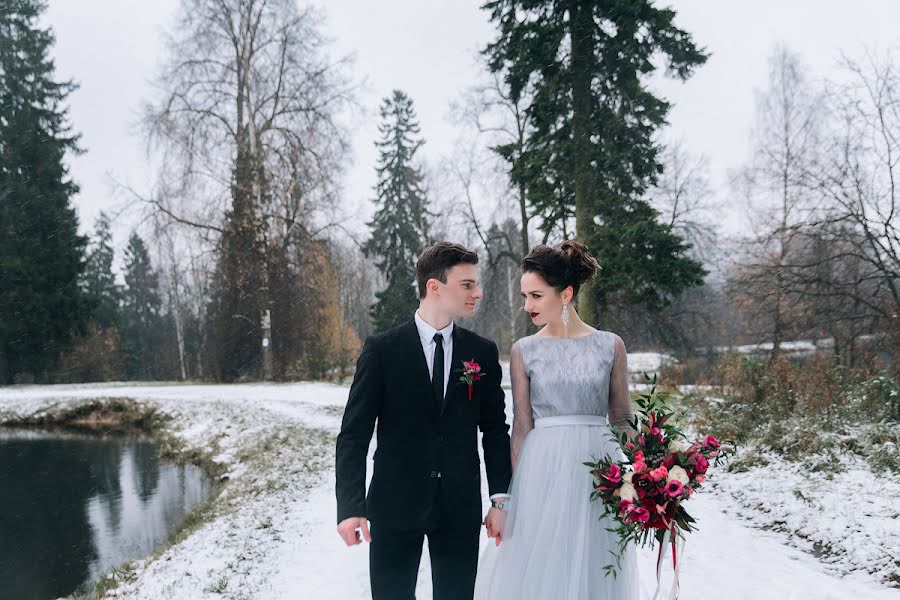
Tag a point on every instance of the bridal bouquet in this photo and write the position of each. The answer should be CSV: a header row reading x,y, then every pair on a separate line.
x,y
646,494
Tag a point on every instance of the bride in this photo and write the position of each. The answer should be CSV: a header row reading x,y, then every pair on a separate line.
x,y
568,380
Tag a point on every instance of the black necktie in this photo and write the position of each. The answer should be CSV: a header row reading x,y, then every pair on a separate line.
x,y
437,372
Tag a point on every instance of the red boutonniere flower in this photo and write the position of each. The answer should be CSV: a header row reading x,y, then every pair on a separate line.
x,y
469,374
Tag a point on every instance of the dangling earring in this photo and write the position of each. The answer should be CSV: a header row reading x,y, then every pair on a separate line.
x,y
565,317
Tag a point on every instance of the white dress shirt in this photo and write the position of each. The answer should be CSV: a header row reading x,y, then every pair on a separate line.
x,y
426,336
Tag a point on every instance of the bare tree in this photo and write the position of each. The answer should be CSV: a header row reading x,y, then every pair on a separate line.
x,y
250,140
684,199
859,191
831,280
776,186
502,125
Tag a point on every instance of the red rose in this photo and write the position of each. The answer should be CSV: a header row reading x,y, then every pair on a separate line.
x,y
701,464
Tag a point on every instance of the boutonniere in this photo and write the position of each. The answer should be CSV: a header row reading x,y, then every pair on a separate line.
x,y
469,374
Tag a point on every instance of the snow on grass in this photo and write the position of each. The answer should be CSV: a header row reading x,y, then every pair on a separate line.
x,y
833,507
270,533
649,362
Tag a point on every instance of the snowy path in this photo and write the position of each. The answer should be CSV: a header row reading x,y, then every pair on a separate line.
x,y
723,560
282,544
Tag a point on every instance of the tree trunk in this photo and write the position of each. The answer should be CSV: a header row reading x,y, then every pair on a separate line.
x,y
179,334
4,367
523,210
582,41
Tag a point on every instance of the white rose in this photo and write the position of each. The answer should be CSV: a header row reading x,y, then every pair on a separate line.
x,y
678,446
627,492
676,473
626,477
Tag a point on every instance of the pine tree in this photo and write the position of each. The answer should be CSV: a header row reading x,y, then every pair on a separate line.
x,y
400,226
99,281
592,152
41,253
142,324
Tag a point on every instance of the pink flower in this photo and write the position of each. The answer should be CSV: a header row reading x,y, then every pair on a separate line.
x,y
625,505
699,478
639,467
711,442
639,456
615,473
674,488
637,515
659,474
630,446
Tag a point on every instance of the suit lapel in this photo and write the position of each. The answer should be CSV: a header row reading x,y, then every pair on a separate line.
x,y
414,344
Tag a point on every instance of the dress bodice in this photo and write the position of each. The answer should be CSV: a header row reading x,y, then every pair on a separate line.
x,y
568,376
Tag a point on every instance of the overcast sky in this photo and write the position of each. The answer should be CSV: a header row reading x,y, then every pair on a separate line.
x,y
427,47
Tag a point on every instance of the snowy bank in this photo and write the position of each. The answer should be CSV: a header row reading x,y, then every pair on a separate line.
x,y
270,533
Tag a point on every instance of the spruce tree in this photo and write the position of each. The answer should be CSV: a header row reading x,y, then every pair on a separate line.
x,y
41,253
142,324
400,225
99,281
592,152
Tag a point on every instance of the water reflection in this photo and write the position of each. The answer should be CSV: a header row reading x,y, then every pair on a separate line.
x,y
74,506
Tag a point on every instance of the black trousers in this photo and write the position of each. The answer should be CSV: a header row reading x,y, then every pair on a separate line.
x,y
394,557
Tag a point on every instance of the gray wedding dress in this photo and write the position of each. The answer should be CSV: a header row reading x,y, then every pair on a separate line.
x,y
554,543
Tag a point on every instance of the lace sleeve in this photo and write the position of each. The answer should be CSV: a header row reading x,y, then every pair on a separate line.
x,y
620,412
522,417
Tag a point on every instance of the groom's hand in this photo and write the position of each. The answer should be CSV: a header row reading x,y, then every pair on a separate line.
x,y
349,530
494,524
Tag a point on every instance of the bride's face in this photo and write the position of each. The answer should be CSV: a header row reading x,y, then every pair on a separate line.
x,y
542,302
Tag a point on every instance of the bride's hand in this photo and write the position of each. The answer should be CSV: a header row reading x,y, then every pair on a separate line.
x,y
494,523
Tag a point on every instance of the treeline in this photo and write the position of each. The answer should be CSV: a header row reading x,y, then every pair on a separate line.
x,y
243,266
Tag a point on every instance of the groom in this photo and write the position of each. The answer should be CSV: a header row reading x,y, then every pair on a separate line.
x,y
426,479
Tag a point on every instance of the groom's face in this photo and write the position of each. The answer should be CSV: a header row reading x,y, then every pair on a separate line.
x,y
460,295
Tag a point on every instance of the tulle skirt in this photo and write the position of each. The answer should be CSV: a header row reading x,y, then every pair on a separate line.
x,y
555,541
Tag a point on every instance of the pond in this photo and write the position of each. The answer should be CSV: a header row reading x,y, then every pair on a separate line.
x,y
73,506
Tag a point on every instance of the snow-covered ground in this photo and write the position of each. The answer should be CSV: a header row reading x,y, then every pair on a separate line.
x,y
647,362
271,533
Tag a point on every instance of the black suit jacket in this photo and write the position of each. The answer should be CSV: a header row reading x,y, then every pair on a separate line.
x,y
425,458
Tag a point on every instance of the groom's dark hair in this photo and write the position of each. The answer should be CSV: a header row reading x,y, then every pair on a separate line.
x,y
436,260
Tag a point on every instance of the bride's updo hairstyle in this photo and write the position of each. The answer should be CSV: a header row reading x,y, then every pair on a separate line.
x,y
562,265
